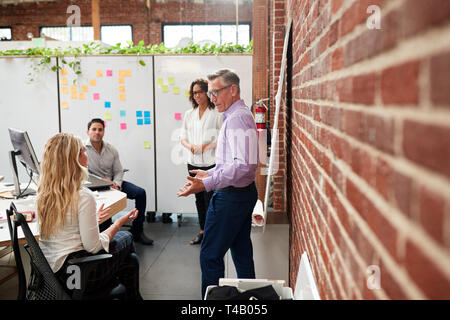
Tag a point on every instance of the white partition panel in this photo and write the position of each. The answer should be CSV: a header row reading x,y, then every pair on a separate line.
x,y
173,75
28,106
119,90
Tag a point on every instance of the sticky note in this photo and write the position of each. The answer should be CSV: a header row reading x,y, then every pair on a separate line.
x,y
73,95
73,88
64,105
146,144
147,114
107,104
124,73
122,97
171,80
121,80
96,96
123,126
81,96
160,81
63,71
107,116
140,122
147,121
165,88
139,114
121,88
177,116
93,82
64,90
99,73
84,88
109,73
64,81
187,93
123,113
176,90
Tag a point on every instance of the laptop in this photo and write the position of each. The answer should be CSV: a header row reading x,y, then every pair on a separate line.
x,y
95,183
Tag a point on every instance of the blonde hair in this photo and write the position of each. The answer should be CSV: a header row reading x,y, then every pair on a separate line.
x,y
60,180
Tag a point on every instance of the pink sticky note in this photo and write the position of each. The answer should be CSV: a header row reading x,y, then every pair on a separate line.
x,y
96,96
109,73
123,126
177,116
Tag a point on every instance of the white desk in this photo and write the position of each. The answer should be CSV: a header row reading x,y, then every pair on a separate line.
x,y
114,199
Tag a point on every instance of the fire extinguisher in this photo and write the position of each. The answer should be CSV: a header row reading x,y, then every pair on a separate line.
x,y
260,115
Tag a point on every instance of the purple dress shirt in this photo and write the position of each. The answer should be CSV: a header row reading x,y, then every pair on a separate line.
x,y
237,150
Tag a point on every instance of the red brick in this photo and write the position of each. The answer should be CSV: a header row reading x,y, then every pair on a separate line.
x,y
431,211
399,84
440,79
379,132
364,89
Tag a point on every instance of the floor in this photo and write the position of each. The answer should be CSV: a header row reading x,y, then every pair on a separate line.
x,y
170,268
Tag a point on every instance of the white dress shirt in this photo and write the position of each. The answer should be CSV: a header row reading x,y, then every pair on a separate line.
x,y
201,131
81,233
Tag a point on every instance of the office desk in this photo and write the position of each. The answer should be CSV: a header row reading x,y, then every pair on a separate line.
x,y
114,199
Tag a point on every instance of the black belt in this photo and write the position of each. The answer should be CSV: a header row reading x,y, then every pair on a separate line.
x,y
236,189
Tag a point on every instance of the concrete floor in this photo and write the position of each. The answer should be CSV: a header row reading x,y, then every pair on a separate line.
x,y
170,268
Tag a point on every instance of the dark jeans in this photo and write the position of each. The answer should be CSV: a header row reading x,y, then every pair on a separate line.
x,y
202,198
138,194
228,226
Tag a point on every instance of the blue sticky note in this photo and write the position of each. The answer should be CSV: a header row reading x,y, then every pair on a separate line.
x,y
107,104
139,114
146,114
123,113
140,122
146,120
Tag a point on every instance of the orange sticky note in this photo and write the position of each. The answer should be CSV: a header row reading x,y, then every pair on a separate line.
x,y
64,105
73,95
64,81
93,82
73,88
121,88
64,90
122,97
99,73
121,80
124,73
81,96
84,88
63,71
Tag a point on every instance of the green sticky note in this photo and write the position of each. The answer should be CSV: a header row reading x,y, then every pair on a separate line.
x,y
160,81
165,88
107,115
38,42
171,80
146,144
176,90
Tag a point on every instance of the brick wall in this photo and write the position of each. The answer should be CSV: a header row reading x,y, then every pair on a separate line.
x,y
147,23
369,167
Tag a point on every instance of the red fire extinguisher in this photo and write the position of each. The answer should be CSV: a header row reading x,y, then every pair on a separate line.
x,y
260,115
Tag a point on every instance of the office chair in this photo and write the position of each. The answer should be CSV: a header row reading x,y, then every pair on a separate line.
x,y
43,283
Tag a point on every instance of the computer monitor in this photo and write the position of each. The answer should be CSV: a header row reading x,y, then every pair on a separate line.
x,y
23,150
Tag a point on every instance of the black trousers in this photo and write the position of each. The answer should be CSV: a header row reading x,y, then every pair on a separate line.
x,y
202,198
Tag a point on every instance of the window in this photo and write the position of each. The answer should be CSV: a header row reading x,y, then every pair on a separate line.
x,y
5,33
181,35
115,34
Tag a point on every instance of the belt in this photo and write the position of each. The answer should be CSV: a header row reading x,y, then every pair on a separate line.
x,y
236,189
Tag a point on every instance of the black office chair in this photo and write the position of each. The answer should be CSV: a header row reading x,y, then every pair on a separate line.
x,y
43,283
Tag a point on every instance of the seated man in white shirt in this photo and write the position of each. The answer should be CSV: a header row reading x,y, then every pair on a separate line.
x,y
103,161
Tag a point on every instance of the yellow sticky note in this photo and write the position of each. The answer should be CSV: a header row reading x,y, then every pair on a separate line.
x,y
93,82
187,93
160,81
73,95
165,88
176,90
99,73
171,80
124,73
128,73
64,105
121,88
64,90
121,80
81,96
64,81
146,144
63,71
84,88
73,88
122,97
107,116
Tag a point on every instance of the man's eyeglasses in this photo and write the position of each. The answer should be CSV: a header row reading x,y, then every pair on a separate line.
x,y
215,93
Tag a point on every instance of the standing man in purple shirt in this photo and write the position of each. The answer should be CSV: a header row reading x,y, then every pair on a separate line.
x,y
229,216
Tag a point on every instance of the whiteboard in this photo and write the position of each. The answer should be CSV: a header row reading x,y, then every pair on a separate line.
x,y
31,107
171,165
99,84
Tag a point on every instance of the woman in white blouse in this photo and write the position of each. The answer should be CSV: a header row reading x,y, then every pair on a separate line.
x,y
68,219
201,126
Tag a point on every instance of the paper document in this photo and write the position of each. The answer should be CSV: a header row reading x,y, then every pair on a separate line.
x,y
258,215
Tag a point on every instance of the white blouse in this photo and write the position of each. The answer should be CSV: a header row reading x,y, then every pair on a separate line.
x,y
201,131
78,234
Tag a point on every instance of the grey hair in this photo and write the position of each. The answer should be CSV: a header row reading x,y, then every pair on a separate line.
x,y
228,77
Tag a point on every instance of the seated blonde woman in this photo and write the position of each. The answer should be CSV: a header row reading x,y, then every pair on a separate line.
x,y
68,219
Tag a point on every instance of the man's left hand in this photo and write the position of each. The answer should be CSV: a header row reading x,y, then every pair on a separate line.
x,y
194,185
